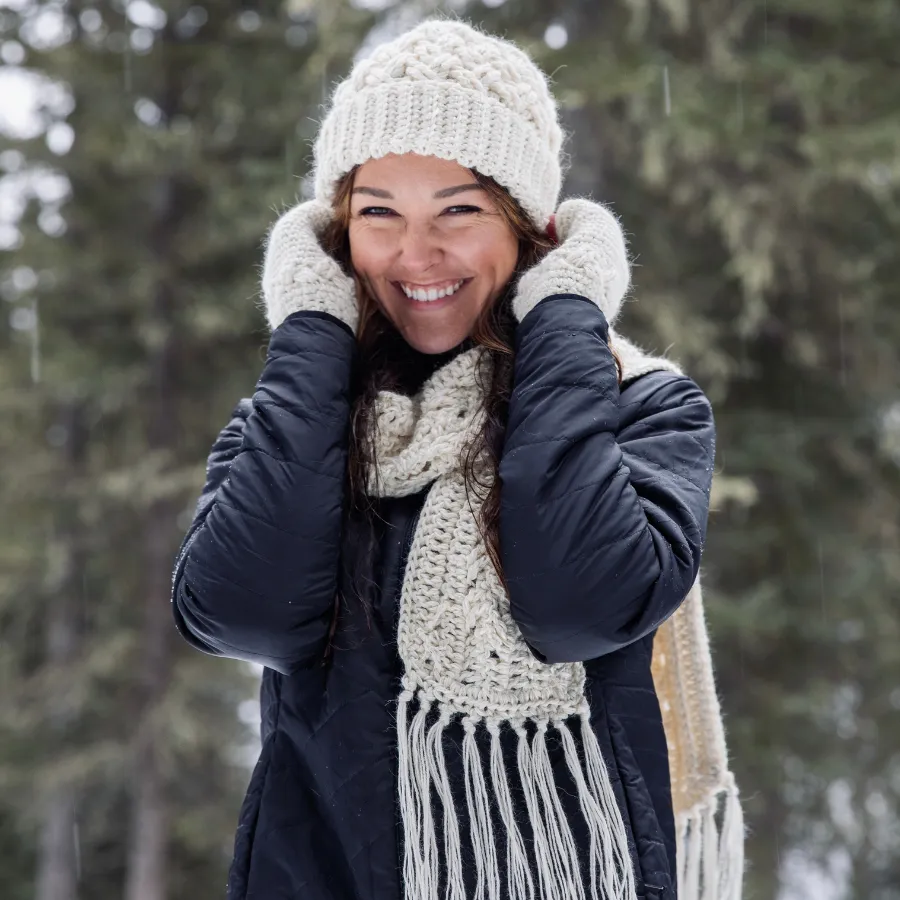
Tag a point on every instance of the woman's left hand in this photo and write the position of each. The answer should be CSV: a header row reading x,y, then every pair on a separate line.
x,y
591,260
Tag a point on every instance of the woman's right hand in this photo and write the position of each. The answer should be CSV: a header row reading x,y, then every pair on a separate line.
x,y
297,272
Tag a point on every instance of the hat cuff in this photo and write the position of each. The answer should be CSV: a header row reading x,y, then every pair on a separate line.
x,y
446,121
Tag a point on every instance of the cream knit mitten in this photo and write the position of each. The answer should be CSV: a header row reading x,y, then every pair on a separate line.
x,y
299,274
591,260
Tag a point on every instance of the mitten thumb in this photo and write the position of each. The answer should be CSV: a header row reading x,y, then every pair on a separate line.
x,y
297,272
583,223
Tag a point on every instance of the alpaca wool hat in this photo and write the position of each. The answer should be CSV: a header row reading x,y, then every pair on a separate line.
x,y
445,89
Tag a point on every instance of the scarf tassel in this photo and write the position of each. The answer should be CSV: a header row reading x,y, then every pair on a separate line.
x,y
711,865
558,876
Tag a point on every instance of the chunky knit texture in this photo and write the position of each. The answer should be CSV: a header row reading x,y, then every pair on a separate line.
x,y
445,89
591,261
419,439
299,274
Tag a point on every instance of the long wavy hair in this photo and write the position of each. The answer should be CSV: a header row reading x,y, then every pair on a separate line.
x,y
383,362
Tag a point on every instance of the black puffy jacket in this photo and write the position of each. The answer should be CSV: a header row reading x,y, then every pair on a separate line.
x,y
604,505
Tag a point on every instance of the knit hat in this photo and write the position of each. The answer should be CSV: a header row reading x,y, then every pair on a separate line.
x,y
445,89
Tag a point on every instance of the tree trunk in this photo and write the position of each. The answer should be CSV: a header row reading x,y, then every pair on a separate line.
x,y
57,865
57,877
147,856
148,838
146,878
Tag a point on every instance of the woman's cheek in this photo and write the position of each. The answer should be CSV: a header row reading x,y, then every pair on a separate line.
x,y
371,248
364,253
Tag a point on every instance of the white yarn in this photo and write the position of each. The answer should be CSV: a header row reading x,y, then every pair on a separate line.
x,y
487,873
710,862
521,884
563,851
427,873
446,89
549,883
455,889
299,274
591,260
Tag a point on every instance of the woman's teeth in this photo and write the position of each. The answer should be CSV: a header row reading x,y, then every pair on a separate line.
x,y
424,296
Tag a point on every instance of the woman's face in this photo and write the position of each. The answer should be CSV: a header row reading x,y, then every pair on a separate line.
x,y
420,228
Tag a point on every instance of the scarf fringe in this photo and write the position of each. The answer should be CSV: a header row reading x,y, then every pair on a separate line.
x,y
711,865
479,807
521,884
437,766
559,871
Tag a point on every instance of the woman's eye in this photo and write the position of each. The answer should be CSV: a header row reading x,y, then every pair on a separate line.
x,y
383,212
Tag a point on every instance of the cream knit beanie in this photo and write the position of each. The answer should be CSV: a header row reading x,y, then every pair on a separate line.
x,y
445,89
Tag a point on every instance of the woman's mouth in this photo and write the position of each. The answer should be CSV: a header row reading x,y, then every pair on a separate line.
x,y
431,295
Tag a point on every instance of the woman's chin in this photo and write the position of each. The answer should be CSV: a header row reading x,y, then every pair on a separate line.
x,y
433,344
427,337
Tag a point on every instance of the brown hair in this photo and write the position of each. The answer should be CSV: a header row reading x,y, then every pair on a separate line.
x,y
378,364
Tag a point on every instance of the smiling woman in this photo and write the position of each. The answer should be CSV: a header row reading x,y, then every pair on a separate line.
x,y
452,518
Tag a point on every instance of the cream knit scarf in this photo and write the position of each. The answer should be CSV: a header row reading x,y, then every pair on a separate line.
x,y
465,659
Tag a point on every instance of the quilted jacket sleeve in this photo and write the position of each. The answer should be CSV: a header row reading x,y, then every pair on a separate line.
x,y
257,572
604,496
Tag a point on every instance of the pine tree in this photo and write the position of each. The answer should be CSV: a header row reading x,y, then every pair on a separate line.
x,y
134,329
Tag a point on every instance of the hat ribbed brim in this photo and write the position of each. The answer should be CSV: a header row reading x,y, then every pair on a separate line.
x,y
446,121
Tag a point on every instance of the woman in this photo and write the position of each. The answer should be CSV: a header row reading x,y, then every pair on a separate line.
x,y
453,514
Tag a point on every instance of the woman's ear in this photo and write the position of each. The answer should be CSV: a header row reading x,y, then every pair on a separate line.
x,y
551,229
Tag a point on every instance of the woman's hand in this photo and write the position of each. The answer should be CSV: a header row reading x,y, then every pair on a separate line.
x,y
591,260
298,274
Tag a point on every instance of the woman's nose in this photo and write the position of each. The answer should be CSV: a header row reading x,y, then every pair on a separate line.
x,y
419,248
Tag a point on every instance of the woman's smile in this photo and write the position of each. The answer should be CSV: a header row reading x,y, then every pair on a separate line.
x,y
433,296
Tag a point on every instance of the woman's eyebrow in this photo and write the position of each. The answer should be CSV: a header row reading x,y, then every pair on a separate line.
x,y
439,195
449,192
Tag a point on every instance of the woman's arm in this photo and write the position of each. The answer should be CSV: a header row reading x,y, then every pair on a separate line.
x,y
604,499
257,572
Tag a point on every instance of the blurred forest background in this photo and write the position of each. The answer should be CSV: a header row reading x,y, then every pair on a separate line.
x,y
752,148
